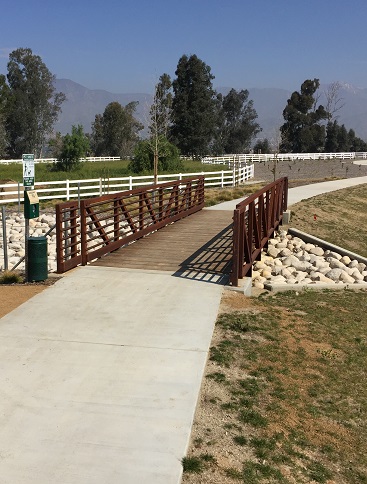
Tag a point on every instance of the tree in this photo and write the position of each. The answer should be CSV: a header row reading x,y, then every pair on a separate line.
x,y
194,107
160,118
236,122
33,105
4,96
338,139
356,144
55,145
161,108
262,146
168,159
302,131
74,147
331,140
333,101
115,132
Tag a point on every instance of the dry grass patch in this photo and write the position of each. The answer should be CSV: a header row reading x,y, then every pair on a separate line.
x,y
284,398
341,218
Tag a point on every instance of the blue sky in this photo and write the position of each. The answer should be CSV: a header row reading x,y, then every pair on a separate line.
x,y
124,46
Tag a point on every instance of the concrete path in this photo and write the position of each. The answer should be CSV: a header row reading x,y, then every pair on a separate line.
x,y
301,193
100,373
100,376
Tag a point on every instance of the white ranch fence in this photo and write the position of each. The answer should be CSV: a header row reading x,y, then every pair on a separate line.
x,y
229,159
72,189
262,158
54,160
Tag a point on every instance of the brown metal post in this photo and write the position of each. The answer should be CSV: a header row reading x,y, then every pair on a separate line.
x,y
83,232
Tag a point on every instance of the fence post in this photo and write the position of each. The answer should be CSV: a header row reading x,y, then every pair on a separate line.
x,y
100,187
79,195
131,182
18,198
5,240
67,190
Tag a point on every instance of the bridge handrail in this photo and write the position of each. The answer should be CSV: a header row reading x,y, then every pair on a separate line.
x,y
254,221
103,224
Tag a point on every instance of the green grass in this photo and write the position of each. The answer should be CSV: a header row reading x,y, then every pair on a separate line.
x,y
98,169
295,395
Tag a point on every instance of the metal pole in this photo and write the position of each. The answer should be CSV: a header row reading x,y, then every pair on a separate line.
x,y
18,198
26,247
5,241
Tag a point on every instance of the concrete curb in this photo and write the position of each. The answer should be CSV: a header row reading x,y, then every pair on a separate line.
x,y
326,245
314,287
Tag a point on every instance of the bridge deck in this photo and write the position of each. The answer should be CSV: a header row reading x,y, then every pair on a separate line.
x,y
196,247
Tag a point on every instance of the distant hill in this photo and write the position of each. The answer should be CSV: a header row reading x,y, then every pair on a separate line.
x,y
83,104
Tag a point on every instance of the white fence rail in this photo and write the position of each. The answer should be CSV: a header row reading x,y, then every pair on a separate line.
x,y
253,158
72,189
53,160
229,159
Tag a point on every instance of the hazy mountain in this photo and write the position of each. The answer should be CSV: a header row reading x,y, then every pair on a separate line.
x,y
83,104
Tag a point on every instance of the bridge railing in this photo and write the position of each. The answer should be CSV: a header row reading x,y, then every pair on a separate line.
x,y
103,224
254,221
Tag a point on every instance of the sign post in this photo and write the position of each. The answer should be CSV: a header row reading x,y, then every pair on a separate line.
x,y
28,171
28,184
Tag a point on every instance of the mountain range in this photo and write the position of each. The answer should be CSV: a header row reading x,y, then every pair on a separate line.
x,y
82,104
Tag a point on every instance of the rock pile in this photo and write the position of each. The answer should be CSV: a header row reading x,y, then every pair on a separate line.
x,y
289,260
15,230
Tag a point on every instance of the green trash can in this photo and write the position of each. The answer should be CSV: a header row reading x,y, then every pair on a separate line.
x,y
37,259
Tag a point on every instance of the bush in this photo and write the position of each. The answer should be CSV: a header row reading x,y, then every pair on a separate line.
x,y
168,157
10,277
74,147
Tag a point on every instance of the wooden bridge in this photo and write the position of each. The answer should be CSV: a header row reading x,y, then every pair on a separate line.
x,y
196,247
152,229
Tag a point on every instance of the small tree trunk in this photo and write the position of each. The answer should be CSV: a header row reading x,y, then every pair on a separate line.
x,y
155,167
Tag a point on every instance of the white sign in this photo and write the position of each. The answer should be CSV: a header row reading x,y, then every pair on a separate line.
x,y
28,170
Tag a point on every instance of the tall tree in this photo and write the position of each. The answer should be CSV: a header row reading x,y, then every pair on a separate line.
x,y
161,108
194,107
4,96
331,140
333,100
34,104
302,131
236,122
115,132
160,119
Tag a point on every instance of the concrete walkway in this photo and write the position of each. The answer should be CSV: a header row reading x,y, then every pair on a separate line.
x,y
301,193
100,376
100,373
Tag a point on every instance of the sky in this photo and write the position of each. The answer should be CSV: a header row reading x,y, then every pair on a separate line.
x,y
123,46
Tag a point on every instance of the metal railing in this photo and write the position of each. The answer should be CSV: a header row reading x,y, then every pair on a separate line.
x,y
254,221
103,224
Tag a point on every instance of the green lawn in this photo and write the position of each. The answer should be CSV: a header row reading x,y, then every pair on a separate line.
x,y
100,169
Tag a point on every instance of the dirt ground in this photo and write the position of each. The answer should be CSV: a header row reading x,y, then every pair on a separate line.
x,y
300,172
14,295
